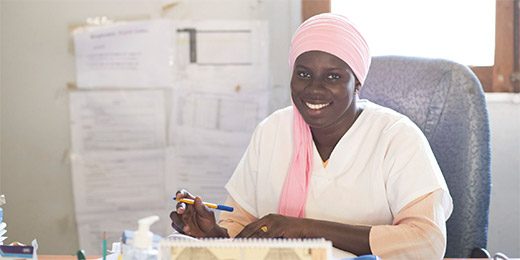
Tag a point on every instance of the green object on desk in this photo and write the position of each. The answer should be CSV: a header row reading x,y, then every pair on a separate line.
x,y
104,246
81,254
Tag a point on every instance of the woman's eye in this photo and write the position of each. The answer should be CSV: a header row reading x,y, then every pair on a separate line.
x,y
333,76
304,74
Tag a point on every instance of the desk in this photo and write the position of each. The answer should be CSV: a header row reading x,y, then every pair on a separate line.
x,y
64,257
73,257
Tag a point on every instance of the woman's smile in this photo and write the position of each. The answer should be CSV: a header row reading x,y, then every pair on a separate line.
x,y
316,106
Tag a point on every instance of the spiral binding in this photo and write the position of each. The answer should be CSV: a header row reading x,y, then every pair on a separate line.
x,y
170,244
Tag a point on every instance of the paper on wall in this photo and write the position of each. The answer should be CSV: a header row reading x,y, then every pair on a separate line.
x,y
226,119
113,189
202,170
218,51
117,159
133,54
106,181
117,120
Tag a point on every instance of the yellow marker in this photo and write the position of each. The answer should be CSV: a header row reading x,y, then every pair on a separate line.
x,y
208,204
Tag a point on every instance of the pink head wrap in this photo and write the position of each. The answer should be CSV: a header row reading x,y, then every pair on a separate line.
x,y
334,34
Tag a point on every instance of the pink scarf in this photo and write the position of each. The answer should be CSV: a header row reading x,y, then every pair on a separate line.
x,y
334,34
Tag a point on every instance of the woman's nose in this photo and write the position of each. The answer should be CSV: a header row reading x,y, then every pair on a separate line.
x,y
316,87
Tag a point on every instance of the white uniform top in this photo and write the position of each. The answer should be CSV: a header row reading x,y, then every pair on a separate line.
x,y
381,164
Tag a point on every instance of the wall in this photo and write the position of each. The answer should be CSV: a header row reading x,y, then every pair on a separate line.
x,y
36,65
504,216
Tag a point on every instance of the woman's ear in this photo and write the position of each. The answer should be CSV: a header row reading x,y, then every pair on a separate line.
x,y
357,86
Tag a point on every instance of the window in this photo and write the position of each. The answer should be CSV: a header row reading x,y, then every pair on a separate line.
x,y
488,51
432,29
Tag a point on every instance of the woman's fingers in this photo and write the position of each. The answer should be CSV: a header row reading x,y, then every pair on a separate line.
x,y
181,207
198,220
180,194
184,194
270,226
252,230
177,222
202,209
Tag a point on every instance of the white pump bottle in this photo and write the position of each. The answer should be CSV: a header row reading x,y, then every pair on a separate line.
x,y
141,248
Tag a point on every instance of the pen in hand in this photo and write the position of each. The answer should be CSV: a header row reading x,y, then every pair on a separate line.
x,y
208,204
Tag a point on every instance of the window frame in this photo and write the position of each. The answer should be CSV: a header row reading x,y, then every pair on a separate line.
x,y
502,76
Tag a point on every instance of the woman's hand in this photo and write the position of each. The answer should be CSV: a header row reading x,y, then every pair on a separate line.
x,y
196,220
351,238
275,226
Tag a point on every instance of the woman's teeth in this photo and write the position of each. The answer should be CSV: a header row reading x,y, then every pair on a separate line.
x,y
316,106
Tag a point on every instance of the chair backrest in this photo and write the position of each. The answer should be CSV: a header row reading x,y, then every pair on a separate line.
x,y
446,101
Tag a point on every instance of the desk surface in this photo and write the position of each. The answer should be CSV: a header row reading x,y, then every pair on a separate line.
x,y
64,257
73,257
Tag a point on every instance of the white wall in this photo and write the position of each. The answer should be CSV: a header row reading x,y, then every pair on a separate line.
x,y
504,216
36,65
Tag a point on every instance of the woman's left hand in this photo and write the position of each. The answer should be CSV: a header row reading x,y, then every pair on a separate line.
x,y
274,226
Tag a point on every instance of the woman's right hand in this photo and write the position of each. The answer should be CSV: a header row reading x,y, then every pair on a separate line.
x,y
196,220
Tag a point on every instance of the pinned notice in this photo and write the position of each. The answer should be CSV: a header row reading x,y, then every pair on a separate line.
x,y
127,55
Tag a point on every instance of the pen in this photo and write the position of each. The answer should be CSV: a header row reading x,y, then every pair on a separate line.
x,y
104,246
208,204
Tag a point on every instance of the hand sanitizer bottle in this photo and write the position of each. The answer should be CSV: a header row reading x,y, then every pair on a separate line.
x,y
2,224
141,247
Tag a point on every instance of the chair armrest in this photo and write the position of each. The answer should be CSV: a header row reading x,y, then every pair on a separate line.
x,y
480,253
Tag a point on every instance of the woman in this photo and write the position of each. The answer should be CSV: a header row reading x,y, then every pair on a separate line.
x,y
333,166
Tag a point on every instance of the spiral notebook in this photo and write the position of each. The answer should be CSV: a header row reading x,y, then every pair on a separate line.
x,y
177,248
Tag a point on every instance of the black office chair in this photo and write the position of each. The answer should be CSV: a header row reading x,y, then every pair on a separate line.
x,y
446,101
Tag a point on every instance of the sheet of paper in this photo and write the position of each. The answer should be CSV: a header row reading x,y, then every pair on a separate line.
x,y
113,189
222,51
118,180
117,158
209,118
202,170
117,120
133,54
224,47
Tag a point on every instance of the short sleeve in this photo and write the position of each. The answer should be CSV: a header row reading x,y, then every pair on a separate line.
x,y
411,166
243,182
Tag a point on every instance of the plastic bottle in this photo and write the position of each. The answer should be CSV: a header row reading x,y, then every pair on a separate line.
x,y
141,247
2,224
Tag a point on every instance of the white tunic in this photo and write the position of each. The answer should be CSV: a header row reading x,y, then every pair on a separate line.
x,y
381,164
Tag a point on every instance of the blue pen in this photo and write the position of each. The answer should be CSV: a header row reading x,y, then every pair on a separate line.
x,y
208,204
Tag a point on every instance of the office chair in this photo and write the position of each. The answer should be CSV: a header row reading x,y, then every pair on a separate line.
x,y
446,101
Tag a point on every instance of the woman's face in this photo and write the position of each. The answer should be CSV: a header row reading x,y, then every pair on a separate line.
x,y
322,87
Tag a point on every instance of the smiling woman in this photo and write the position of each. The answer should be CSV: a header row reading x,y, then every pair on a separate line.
x,y
333,166
322,89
